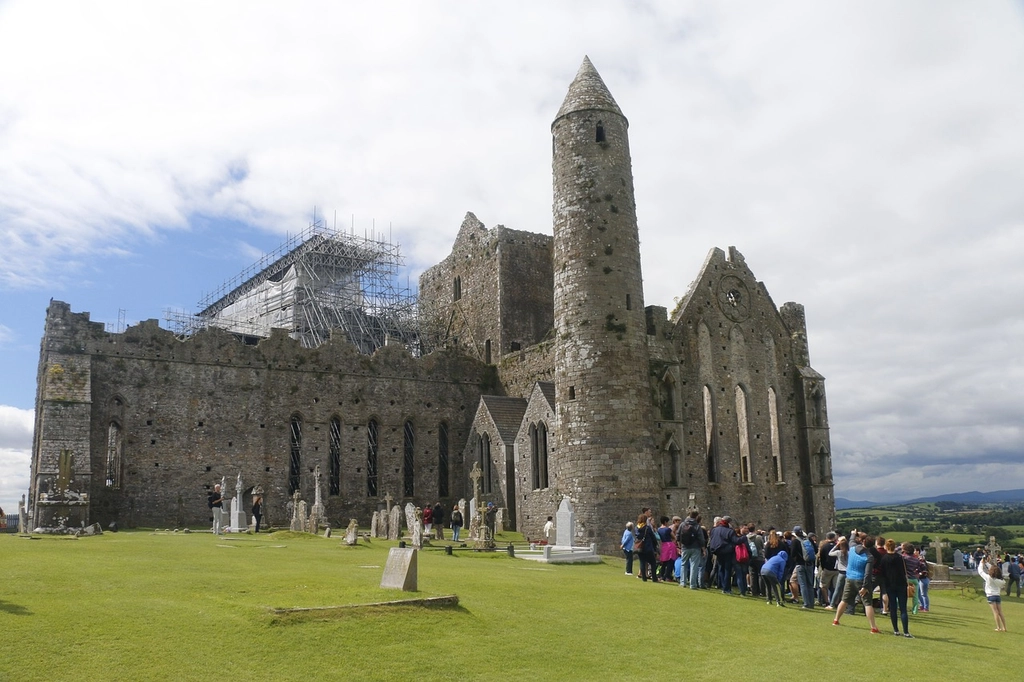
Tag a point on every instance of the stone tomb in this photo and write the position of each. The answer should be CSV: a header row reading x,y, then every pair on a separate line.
x,y
958,560
400,571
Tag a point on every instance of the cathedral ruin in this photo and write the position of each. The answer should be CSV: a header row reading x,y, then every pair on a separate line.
x,y
531,355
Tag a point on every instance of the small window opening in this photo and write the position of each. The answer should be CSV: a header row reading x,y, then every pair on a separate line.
x,y
599,137
572,393
629,302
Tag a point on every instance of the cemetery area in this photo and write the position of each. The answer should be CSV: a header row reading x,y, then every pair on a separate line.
x,y
964,527
147,605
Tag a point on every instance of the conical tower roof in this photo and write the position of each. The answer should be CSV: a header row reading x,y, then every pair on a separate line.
x,y
588,92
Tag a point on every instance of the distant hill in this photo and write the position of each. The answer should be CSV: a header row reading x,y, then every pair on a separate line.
x,y
973,497
843,503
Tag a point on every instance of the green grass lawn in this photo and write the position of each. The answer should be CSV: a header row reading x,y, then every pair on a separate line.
x,y
156,606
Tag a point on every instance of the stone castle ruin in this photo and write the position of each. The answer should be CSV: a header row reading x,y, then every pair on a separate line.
x,y
530,356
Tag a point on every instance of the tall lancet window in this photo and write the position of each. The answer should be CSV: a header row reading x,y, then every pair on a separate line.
x,y
334,462
710,439
743,433
113,477
773,422
371,458
295,459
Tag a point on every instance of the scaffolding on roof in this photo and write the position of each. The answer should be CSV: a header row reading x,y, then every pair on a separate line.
x,y
318,281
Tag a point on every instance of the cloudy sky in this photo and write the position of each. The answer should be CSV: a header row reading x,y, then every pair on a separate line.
x,y
866,158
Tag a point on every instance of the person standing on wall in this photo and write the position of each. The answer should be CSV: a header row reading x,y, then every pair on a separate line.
x,y
215,500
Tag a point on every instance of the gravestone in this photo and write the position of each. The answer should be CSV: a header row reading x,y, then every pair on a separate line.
x,y
327,532
400,571
462,510
565,523
394,522
417,529
374,521
352,533
499,520
958,560
302,516
295,526
21,516
410,516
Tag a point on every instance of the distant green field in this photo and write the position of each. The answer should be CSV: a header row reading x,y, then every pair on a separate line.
x,y
152,606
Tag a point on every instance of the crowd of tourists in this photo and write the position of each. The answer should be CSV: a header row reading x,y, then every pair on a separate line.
x,y
836,573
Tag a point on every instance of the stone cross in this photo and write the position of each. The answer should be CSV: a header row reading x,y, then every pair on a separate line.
x,y
993,547
476,474
388,499
238,485
937,545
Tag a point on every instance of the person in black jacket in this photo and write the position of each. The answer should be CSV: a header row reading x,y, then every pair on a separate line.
x,y
644,547
723,546
438,519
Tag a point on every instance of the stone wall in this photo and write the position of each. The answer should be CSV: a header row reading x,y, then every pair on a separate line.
x,y
193,411
492,295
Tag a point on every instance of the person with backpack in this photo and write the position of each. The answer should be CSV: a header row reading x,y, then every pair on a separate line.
x,y
691,549
804,569
456,521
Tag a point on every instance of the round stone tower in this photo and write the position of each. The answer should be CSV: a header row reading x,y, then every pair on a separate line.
x,y
604,457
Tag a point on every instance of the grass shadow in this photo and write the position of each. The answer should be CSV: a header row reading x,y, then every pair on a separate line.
x,y
14,609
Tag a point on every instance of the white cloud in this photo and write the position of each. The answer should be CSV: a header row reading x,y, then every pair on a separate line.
x,y
866,159
15,455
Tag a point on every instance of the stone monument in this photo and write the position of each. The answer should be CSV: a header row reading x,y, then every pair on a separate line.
x,y
993,548
937,545
400,571
958,560
374,527
352,533
565,523
410,516
239,523
417,529
317,515
394,523
297,524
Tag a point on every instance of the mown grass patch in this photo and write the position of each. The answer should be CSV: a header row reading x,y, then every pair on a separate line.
x,y
151,606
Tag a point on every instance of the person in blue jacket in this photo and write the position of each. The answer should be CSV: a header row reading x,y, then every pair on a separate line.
x,y
772,572
627,546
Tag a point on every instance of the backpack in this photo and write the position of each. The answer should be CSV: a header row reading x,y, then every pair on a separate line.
x,y
753,549
809,554
689,534
742,553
